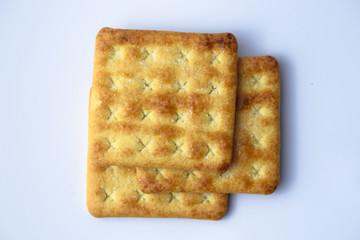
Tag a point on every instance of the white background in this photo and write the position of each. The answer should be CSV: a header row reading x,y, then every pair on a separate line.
x,y
46,61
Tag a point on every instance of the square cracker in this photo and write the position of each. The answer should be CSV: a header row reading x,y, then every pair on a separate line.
x,y
112,192
256,156
163,99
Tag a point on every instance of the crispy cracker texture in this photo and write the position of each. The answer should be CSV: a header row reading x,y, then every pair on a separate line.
x,y
256,153
163,99
112,192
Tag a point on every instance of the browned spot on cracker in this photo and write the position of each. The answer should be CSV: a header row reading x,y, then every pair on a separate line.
x,y
163,74
197,149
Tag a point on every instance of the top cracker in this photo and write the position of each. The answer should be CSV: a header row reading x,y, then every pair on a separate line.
x,y
163,99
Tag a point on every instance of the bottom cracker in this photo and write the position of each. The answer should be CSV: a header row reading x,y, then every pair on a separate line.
x,y
112,192
255,165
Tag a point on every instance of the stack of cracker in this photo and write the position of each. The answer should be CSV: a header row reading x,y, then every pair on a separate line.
x,y
176,122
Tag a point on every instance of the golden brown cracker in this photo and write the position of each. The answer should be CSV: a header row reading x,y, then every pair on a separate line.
x,y
163,99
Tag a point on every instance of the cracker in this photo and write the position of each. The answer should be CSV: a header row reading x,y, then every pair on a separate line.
x,y
112,192
163,99
255,166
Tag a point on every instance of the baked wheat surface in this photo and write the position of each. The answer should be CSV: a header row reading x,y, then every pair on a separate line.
x,y
112,192
163,99
255,166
